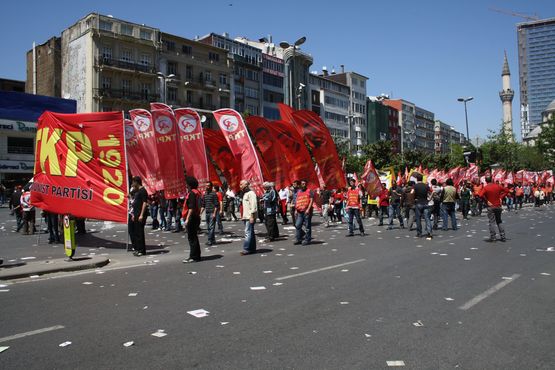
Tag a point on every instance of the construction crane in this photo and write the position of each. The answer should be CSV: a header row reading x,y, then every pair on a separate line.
x,y
533,17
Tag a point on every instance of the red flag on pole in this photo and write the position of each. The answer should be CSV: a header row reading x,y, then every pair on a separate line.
x,y
171,171
371,180
80,165
135,157
191,142
323,148
233,127
221,154
146,148
272,151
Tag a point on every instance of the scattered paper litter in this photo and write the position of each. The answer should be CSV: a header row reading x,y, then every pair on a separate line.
x,y
198,313
523,255
507,278
473,248
467,259
290,255
545,274
132,294
550,249
419,246
192,272
64,344
449,299
27,258
395,363
236,273
418,323
344,302
159,334
4,290
345,270
224,322
2,349
34,276
267,272
293,268
443,254
87,283
145,307
258,287
367,335
3,285
128,344
99,272
434,253
277,284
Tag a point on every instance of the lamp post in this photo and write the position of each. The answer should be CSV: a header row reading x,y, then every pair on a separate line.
x,y
286,45
464,100
165,80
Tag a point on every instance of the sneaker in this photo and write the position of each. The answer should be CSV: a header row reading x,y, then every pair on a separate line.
x,y
304,242
503,239
429,237
350,234
138,254
244,253
208,244
362,233
191,260
490,240
297,242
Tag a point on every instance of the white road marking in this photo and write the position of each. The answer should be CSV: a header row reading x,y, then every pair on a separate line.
x,y
29,333
480,297
320,269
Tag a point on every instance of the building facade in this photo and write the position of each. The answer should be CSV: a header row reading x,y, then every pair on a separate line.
x,y
536,62
446,136
378,121
12,85
424,130
44,68
394,130
110,64
247,72
406,122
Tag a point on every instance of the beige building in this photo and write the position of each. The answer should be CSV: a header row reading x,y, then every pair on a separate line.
x,y
109,64
44,69
202,74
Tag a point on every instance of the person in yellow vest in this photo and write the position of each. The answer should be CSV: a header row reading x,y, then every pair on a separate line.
x,y
303,214
372,206
353,207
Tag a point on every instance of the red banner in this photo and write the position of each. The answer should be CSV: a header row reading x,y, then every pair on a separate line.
x,y
235,132
146,149
371,180
323,148
170,170
135,157
191,141
223,157
80,166
271,150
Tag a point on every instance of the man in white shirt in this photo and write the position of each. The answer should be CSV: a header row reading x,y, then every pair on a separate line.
x,y
283,204
250,211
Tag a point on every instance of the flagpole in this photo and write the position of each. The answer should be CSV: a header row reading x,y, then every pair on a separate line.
x,y
127,179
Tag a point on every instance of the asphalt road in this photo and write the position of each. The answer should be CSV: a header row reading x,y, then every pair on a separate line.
x,y
341,303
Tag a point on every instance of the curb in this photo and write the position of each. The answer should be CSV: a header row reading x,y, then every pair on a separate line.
x,y
59,265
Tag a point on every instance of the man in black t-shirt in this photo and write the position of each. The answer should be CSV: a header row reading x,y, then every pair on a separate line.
x,y
191,214
138,217
421,204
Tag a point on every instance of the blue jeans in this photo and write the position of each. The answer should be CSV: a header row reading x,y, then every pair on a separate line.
x,y
354,212
211,226
305,219
448,211
395,212
219,223
510,202
249,245
423,209
154,216
163,223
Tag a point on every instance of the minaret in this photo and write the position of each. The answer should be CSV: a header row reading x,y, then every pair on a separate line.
x,y
506,95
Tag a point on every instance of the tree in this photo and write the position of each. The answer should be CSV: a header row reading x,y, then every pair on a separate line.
x,y
546,142
379,152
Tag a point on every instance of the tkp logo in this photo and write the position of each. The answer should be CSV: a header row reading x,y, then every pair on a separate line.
x,y
142,124
163,125
187,124
129,132
229,123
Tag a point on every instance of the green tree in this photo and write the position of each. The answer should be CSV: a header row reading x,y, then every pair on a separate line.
x,y
546,142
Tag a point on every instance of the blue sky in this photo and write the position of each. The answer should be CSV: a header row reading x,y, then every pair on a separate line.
x,y
427,52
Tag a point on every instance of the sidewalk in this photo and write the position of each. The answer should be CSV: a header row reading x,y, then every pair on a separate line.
x,y
23,270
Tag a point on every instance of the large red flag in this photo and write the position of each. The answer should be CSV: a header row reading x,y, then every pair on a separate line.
x,y
221,154
170,170
191,141
80,165
271,150
146,148
371,180
235,132
135,157
323,148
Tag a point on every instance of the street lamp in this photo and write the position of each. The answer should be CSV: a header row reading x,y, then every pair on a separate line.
x,y
165,80
286,45
464,100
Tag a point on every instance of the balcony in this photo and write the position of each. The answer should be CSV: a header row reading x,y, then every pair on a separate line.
x,y
114,63
108,93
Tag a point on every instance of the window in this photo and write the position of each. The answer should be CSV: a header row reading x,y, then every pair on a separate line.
x,y
145,90
186,49
105,25
126,86
106,82
126,29
252,109
106,52
146,35
208,76
224,103
208,99
251,75
272,80
170,45
189,96
223,79
171,68
21,145
126,55
251,93
145,60
189,72
273,97
172,94
214,57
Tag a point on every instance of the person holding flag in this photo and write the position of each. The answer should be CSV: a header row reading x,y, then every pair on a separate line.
x,y
354,197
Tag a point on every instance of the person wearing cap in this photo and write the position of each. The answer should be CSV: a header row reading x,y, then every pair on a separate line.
x,y
270,202
354,197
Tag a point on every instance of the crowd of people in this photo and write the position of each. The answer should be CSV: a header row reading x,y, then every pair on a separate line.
x,y
406,205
